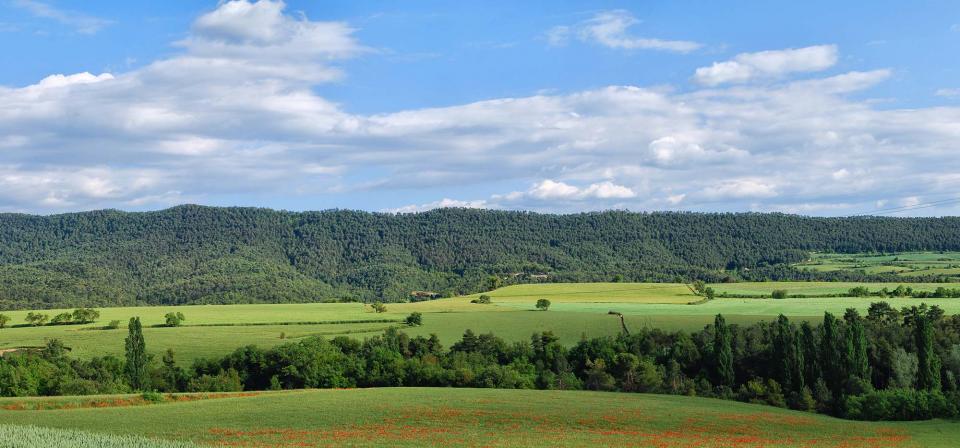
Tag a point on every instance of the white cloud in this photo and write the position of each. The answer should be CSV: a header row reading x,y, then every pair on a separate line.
x,y
740,188
81,23
443,203
234,115
948,93
551,190
54,81
768,64
611,29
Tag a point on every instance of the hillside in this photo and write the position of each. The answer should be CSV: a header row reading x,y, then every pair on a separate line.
x,y
481,417
194,254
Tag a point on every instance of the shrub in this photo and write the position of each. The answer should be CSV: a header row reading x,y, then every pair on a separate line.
x,y
113,325
379,307
779,294
899,404
36,319
152,397
4,319
415,319
483,299
62,319
859,291
174,319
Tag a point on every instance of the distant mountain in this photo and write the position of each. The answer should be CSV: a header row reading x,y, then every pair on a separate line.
x,y
192,254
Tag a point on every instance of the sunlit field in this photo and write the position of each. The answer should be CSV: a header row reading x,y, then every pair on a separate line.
x,y
482,417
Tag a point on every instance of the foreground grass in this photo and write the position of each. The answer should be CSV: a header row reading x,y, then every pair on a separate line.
x,y
35,437
485,417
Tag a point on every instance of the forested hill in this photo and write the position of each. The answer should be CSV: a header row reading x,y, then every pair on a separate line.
x,y
193,254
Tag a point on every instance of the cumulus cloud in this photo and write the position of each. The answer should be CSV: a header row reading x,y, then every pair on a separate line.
x,y
768,64
611,29
230,116
81,23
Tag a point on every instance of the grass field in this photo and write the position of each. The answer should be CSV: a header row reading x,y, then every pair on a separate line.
x,y
907,264
577,310
484,417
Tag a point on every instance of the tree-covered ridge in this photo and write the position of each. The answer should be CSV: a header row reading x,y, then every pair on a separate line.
x,y
194,254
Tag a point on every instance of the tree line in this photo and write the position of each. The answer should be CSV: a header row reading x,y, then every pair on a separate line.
x,y
888,365
194,254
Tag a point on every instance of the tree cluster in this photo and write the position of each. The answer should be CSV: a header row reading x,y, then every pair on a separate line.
x,y
888,365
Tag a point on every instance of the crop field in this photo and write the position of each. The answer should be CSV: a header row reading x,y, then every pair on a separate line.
x,y
907,264
577,309
482,417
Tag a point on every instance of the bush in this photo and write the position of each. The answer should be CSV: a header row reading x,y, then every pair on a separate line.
x,y
174,319
779,294
113,325
153,397
62,319
379,307
859,291
483,299
415,319
37,319
899,404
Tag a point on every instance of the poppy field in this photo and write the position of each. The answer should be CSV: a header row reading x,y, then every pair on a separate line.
x,y
481,417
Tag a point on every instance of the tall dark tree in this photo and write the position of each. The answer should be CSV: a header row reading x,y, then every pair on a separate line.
x,y
811,354
831,358
928,364
723,353
856,362
136,356
788,356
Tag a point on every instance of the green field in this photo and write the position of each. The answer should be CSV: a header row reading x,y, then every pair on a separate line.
x,y
578,309
906,264
484,417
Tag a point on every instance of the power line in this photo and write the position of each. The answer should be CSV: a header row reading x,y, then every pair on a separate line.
x,y
913,207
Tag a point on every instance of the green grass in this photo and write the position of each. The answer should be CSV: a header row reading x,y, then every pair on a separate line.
x,y
907,264
12,436
813,288
578,309
485,417
672,293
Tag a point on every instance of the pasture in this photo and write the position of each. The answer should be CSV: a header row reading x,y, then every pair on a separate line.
x,y
482,417
906,264
577,309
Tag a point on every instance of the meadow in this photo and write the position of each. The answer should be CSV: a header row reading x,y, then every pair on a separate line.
x,y
481,417
905,264
577,309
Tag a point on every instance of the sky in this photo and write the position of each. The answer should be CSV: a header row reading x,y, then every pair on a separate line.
x,y
814,108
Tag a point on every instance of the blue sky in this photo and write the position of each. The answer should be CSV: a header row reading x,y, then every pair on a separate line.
x,y
801,107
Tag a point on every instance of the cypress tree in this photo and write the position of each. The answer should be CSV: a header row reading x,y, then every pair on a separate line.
x,y
136,354
723,352
856,363
928,364
788,356
811,354
831,360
